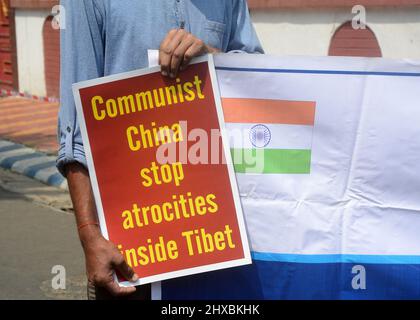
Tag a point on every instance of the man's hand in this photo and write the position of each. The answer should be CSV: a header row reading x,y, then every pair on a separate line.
x,y
102,258
177,50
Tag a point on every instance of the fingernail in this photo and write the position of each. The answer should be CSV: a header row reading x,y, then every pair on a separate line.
x,y
164,73
172,75
134,278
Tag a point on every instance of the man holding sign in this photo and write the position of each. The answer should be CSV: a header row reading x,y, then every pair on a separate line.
x,y
101,38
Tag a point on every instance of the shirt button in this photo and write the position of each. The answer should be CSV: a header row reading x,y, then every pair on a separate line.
x,y
68,129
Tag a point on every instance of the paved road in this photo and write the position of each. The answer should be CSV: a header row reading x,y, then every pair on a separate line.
x,y
35,235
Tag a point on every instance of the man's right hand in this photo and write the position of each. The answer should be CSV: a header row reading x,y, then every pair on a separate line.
x,y
102,259
102,256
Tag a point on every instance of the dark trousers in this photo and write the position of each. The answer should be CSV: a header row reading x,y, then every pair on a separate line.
x,y
97,293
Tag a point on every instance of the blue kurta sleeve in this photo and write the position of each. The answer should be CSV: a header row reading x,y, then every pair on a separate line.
x,y
243,36
82,58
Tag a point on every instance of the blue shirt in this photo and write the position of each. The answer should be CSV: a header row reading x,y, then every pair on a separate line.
x,y
103,37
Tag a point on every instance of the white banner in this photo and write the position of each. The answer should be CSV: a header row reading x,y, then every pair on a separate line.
x,y
342,187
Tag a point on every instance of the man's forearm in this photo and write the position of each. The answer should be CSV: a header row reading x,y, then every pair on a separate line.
x,y
83,201
102,257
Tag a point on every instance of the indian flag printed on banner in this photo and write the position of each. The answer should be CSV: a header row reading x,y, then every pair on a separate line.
x,y
270,136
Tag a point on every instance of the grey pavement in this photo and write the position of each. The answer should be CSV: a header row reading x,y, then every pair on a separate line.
x,y
37,232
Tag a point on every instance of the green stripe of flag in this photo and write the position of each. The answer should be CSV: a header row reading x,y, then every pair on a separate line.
x,y
272,161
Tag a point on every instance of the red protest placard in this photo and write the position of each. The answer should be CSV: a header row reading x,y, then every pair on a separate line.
x,y
165,195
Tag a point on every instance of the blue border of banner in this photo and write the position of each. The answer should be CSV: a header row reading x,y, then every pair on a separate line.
x,y
341,72
336,258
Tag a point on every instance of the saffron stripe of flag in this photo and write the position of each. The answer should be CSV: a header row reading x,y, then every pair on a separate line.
x,y
272,161
240,110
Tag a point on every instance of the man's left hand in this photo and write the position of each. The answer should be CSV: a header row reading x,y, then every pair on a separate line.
x,y
177,50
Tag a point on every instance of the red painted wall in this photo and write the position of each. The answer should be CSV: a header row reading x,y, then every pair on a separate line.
x,y
301,4
51,38
354,42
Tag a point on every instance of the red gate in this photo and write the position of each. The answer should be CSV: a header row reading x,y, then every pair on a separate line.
x,y
6,67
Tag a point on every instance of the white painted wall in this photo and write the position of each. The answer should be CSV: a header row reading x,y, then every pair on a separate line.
x,y
30,50
282,32
309,32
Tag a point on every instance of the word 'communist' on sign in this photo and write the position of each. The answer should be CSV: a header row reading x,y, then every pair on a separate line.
x,y
147,100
